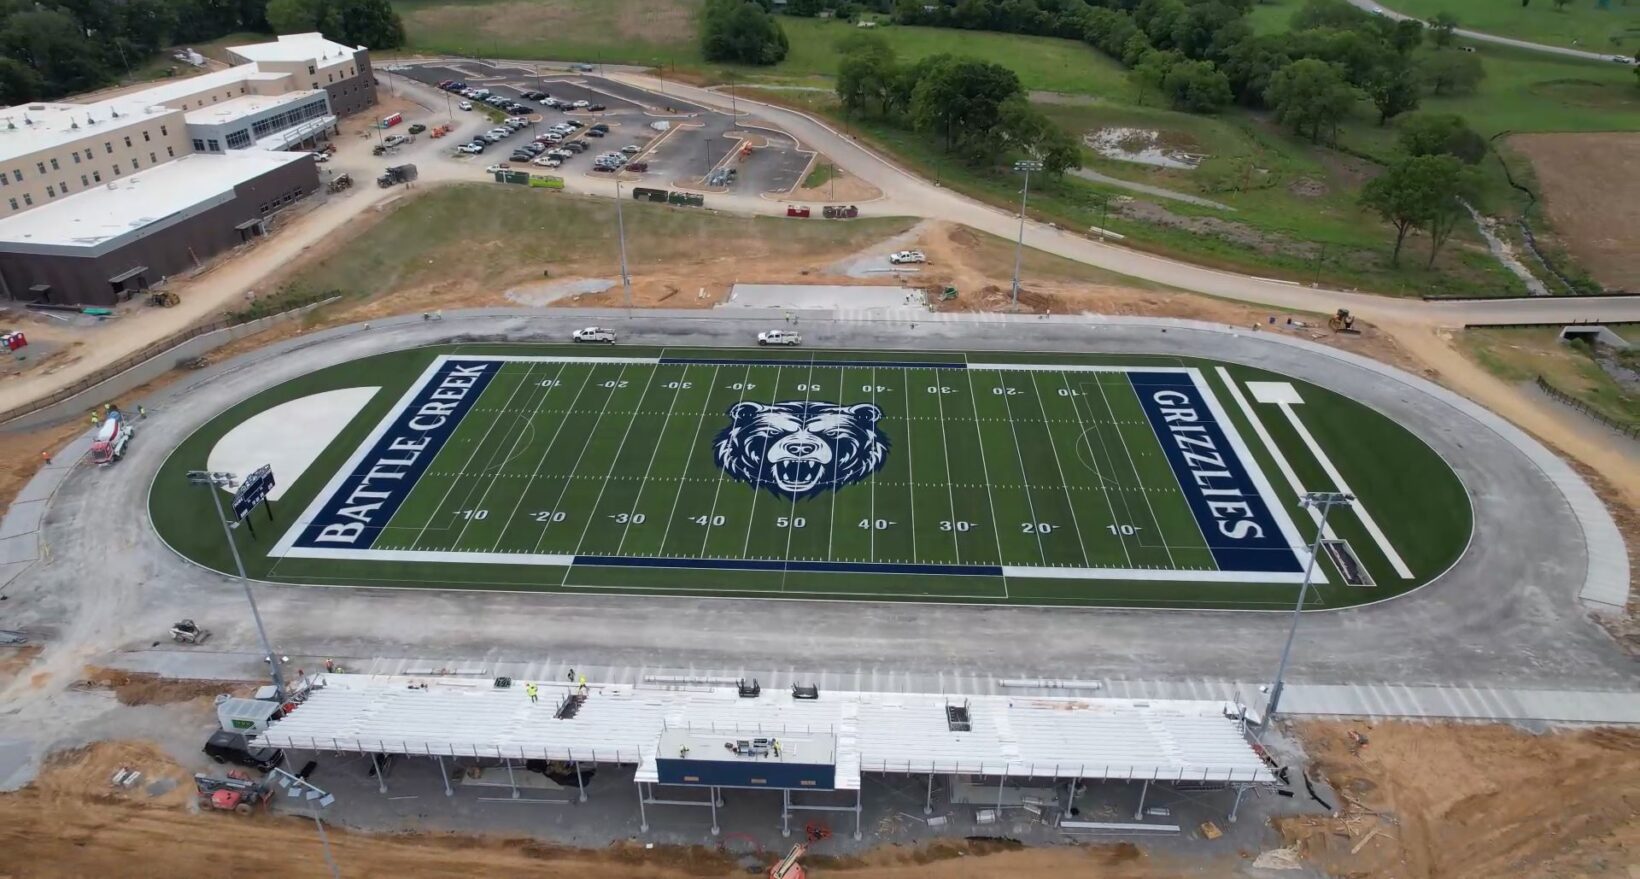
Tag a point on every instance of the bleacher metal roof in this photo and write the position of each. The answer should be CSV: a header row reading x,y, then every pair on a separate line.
x,y
893,733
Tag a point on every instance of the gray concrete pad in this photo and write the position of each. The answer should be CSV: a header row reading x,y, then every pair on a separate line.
x,y
22,518
1506,617
822,296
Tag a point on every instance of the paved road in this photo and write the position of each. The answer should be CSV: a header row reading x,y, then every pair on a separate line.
x,y
905,193
1147,189
1370,6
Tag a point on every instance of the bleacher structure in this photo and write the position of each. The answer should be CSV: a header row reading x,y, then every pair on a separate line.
x,y
812,746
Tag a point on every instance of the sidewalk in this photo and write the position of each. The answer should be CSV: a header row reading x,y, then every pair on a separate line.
x,y
20,542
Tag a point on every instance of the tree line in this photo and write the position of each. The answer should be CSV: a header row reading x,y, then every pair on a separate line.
x,y
61,47
977,109
741,32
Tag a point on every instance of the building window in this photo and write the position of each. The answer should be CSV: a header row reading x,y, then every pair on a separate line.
x,y
153,159
128,141
51,191
116,169
96,176
135,163
55,166
238,140
17,175
4,180
14,204
89,155
212,145
28,199
41,166
310,69
145,137
63,185
163,132
84,180
76,158
199,145
169,151
330,77
108,147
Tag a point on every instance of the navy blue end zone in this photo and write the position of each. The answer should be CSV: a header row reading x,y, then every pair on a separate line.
x,y
365,501
1238,525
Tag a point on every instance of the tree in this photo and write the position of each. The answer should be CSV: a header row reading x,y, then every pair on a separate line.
x,y
293,16
1197,87
1405,35
1310,96
962,98
19,83
1420,192
1451,72
804,8
1435,134
1443,26
1250,65
1027,130
370,23
1395,90
740,31
55,46
1148,74
866,73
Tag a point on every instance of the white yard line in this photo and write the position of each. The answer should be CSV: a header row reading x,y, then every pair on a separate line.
x,y
751,515
1053,446
637,499
613,461
910,467
945,447
558,503
718,489
511,453
985,469
1024,476
1104,488
476,446
1359,508
1140,480
791,515
1269,442
546,450
684,476
871,532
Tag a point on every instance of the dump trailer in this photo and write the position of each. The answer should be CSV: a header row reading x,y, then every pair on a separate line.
x,y
395,175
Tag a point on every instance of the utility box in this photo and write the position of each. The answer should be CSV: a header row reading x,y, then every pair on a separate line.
x,y
248,716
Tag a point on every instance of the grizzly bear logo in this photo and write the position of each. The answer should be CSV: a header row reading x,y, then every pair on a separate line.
x,y
799,449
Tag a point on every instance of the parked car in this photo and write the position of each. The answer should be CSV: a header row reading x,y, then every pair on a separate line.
x,y
465,105
779,337
906,257
396,140
321,157
417,128
592,132
600,127
581,105
492,137
471,149
576,146
632,149
584,68
560,153
605,169
502,166
575,123
594,334
547,161
231,747
595,108
638,167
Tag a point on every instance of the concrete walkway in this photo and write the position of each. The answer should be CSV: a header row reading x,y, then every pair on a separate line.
x,y
20,542
1375,8
1159,192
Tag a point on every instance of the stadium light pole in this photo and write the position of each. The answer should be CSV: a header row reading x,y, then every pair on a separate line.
x,y
620,231
214,481
1325,501
297,786
1026,167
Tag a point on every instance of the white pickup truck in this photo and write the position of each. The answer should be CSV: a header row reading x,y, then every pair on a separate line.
x,y
779,337
594,334
905,257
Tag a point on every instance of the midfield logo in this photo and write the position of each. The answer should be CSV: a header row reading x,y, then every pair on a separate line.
x,y
799,449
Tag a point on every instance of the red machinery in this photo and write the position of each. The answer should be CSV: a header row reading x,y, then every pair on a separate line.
x,y
112,437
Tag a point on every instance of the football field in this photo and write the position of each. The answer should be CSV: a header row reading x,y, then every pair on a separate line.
x,y
809,476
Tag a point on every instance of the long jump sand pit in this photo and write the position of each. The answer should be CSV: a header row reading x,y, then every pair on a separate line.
x,y
1590,185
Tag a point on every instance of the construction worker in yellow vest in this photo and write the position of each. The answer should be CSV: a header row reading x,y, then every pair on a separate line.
x,y
532,692
581,685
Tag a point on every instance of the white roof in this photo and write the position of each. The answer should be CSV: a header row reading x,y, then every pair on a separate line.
x,y
297,47
239,108
92,218
1038,737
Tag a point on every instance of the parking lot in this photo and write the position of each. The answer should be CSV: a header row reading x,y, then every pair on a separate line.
x,y
688,144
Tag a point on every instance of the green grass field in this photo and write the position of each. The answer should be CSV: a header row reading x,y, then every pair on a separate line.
x,y
1582,24
1032,479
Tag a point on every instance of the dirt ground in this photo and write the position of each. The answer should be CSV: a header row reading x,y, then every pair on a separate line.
x,y
1419,802
1590,184
842,188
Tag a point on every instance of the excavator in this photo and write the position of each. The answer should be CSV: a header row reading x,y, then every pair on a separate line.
x,y
1342,322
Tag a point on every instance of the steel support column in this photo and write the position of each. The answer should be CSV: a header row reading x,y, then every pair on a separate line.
x,y
1139,813
511,782
643,818
579,784
857,815
715,828
445,776
785,812
1240,789
381,780
928,801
